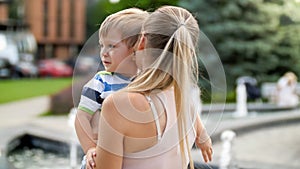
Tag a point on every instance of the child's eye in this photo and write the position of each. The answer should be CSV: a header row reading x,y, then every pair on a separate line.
x,y
111,46
100,46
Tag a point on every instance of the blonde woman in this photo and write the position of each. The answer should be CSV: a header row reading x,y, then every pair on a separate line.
x,y
154,121
286,90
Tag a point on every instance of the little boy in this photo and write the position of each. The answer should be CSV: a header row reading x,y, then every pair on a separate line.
x,y
118,35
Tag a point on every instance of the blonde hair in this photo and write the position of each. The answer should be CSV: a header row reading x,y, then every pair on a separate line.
x,y
128,22
292,78
172,36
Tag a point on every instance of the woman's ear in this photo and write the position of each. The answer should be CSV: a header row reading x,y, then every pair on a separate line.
x,y
141,44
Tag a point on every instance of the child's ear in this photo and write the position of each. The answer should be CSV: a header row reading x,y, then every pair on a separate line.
x,y
141,44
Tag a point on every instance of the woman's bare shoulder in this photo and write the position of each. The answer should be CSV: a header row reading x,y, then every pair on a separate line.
x,y
124,108
125,99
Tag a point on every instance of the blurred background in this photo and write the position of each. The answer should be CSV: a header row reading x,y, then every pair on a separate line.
x,y
256,38
258,41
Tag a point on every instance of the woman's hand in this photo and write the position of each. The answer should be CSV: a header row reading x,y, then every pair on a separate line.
x,y
90,161
206,148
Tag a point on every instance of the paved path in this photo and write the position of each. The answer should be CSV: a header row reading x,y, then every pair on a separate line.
x,y
253,148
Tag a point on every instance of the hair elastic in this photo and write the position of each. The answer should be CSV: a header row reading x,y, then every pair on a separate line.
x,y
181,24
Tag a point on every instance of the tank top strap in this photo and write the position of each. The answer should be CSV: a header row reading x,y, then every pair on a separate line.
x,y
156,118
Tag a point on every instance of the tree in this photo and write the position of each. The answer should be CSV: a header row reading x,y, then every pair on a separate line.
x,y
97,11
253,37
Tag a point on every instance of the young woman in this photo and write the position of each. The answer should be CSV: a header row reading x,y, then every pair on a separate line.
x,y
154,121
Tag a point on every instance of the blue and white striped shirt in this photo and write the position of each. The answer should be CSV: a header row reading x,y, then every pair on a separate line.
x,y
98,88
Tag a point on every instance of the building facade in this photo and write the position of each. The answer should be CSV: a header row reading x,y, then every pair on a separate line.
x,y
58,26
4,10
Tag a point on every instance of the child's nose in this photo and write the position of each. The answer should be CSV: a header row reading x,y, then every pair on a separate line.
x,y
104,52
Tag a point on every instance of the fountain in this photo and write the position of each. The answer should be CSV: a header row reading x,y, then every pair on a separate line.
x,y
73,140
227,137
241,101
33,151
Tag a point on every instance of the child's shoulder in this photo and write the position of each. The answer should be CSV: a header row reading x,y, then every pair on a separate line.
x,y
103,72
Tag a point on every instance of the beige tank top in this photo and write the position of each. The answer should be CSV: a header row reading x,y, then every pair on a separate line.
x,y
166,153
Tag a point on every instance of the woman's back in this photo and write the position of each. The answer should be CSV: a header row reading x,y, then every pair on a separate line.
x,y
157,151
142,145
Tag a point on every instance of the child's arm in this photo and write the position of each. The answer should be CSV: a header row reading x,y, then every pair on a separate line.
x,y
84,130
88,105
203,140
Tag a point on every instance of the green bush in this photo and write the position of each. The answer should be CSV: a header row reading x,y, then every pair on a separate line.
x,y
64,100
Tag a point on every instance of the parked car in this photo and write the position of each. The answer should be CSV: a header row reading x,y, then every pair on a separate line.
x,y
9,56
54,68
5,68
26,66
17,50
83,65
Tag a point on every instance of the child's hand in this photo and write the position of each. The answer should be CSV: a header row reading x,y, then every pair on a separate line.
x,y
206,149
90,161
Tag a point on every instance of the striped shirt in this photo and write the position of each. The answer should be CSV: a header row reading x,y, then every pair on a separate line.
x,y
98,88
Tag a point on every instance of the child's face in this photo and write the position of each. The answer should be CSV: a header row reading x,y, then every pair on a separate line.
x,y
113,51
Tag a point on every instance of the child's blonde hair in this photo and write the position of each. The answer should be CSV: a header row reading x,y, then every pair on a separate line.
x,y
128,22
171,38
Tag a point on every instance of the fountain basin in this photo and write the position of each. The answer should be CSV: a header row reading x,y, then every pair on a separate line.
x,y
29,152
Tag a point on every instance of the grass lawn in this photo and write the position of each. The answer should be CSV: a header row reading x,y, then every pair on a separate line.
x,y
12,90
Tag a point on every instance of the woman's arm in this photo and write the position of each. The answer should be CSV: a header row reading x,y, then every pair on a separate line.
x,y
109,150
203,140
